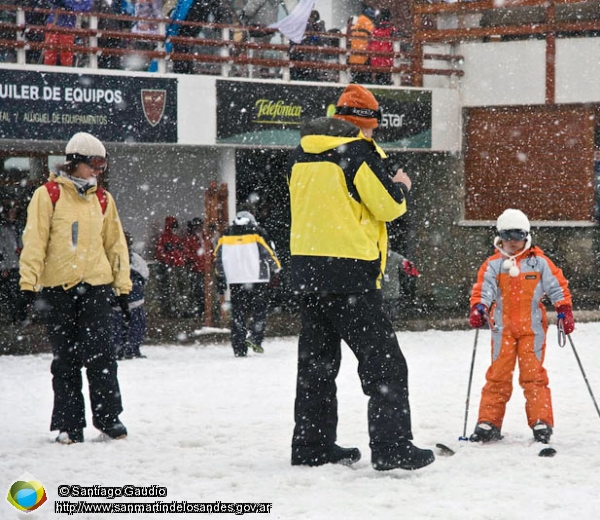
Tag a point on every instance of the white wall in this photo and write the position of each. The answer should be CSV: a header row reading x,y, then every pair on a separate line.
x,y
514,73
578,70
503,73
196,109
446,114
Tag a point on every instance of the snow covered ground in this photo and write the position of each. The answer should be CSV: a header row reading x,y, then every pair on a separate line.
x,y
210,427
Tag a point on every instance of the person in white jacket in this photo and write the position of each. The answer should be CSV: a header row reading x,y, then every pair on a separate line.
x,y
247,263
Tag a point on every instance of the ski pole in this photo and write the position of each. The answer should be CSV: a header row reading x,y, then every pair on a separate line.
x,y
490,323
583,373
464,435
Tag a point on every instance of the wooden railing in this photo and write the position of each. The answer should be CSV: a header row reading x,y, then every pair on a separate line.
x,y
515,19
232,51
464,20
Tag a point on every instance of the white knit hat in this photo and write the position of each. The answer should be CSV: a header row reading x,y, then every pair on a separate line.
x,y
86,144
513,219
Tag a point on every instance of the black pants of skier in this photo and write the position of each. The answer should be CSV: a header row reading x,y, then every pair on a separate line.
x,y
359,321
249,305
79,326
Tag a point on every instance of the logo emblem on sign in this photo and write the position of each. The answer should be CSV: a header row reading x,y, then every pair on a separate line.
x,y
153,103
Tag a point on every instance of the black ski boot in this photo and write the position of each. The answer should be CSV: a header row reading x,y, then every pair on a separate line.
x,y
116,430
404,455
71,437
542,432
485,432
309,456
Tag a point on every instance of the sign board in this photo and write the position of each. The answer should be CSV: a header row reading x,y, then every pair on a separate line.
x,y
54,106
271,114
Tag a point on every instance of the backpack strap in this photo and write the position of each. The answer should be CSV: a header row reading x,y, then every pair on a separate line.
x,y
102,198
54,192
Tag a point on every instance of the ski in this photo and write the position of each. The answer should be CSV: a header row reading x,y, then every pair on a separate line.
x,y
547,452
446,451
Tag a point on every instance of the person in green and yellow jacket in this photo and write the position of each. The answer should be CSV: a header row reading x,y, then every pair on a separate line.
x,y
342,193
75,255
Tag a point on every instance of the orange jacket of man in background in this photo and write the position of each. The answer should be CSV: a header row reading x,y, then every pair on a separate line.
x,y
360,36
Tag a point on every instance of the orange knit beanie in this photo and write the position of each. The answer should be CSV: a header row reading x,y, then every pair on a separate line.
x,y
358,106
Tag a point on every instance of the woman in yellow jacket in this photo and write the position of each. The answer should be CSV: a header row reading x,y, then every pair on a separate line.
x,y
511,285
75,255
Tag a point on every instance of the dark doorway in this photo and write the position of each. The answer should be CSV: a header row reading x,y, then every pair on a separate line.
x,y
261,187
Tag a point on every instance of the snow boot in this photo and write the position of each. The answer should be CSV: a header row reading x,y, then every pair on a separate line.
x,y
115,431
254,346
404,455
485,432
309,456
70,437
542,432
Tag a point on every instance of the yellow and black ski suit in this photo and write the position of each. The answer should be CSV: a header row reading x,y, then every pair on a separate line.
x,y
341,195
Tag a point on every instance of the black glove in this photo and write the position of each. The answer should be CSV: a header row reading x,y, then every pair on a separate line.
x,y
23,306
123,302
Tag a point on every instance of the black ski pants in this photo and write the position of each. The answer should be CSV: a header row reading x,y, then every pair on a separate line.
x,y
79,326
249,306
358,319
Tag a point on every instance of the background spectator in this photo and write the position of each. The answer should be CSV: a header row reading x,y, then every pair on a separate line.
x,y
195,261
315,24
260,13
360,36
202,11
35,19
381,41
128,338
397,284
10,248
8,16
143,9
64,21
171,259
107,61
246,261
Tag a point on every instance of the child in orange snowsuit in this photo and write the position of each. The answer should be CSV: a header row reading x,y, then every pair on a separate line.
x,y
510,285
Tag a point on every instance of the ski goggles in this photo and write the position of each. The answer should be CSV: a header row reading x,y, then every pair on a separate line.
x,y
360,112
96,162
513,234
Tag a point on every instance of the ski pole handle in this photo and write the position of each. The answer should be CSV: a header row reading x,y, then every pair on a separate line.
x,y
491,324
560,329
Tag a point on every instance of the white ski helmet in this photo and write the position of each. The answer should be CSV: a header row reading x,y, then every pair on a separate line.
x,y
513,224
513,219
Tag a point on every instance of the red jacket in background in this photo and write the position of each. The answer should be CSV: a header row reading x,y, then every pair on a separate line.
x,y
170,247
383,30
195,252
